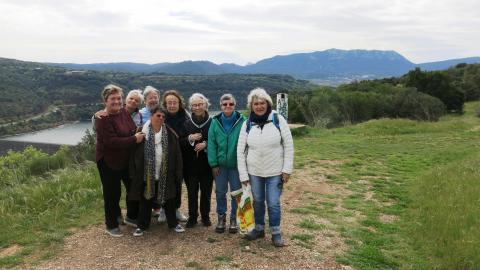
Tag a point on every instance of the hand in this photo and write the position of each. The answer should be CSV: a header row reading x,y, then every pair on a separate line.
x,y
216,171
139,136
200,146
195,136
245,183
285,177
100,114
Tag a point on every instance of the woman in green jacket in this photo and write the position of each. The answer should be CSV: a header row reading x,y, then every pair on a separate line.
x,y
222,157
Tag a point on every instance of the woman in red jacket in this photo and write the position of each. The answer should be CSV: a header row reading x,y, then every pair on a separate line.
x,y
116,136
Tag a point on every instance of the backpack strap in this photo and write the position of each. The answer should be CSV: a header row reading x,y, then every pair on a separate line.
x,y
275,121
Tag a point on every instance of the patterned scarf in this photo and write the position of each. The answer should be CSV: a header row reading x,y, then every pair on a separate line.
x,y
152,191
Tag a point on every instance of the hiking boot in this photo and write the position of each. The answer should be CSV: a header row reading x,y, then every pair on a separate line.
x,y
254,234
179,229
115,232
233,228
130,222
180,216
161,215
220,228
191,223
277,240
206,222
138,232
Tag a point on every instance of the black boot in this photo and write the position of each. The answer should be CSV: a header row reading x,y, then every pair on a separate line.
x,y
233,226
221,224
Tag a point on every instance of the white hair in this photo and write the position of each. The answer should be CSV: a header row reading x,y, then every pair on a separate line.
x,y
137,92
148,90
198,96
258,93
227,97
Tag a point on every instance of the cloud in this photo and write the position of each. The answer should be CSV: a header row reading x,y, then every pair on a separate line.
x,y
233,31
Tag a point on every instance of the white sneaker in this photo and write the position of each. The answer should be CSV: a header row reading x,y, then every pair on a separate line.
x,y
180,216
179,229
161,216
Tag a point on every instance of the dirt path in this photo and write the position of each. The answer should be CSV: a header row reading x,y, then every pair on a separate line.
x,y
202,248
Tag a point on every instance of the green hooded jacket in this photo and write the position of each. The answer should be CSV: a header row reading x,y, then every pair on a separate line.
x,y
222,147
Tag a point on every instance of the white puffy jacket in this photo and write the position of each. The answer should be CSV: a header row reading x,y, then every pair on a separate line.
x,y
267,152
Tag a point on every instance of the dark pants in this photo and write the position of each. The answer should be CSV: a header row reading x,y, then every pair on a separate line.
x,y
112,191
178,195
204,185
178,198
145,213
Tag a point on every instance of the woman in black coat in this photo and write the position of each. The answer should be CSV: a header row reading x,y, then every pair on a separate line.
x,y
156,170
197,171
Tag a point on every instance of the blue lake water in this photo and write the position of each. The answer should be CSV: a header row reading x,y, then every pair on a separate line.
x,y
69,134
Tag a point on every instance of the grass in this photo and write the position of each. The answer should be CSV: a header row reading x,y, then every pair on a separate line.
x,y
397,161
38,215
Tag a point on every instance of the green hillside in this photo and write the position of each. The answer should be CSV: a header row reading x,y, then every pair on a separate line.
x,y
399,194
28,88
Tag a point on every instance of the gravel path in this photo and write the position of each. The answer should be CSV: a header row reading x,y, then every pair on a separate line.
x,y
202,248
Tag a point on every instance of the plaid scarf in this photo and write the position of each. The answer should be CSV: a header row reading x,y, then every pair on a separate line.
x,y
155,188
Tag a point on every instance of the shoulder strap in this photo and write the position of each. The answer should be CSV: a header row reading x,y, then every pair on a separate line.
x,y
275,121
249,125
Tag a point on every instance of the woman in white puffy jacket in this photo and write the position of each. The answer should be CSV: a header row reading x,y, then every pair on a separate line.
x,y
265,160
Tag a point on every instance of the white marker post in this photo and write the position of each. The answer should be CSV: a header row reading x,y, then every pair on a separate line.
x,y
282,105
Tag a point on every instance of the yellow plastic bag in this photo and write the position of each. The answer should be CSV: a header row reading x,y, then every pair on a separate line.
x,y
245,217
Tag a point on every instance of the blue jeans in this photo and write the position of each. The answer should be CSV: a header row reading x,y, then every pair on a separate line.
x,y
225,177
269,189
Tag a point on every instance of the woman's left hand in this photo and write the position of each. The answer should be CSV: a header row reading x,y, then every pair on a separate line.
x,y
285,177
200,146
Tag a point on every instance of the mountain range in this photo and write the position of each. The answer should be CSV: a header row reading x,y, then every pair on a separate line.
x,y
331,66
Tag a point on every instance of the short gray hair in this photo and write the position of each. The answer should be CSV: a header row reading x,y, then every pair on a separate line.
x,y
259,93
137,92
199,96
227,97
148,90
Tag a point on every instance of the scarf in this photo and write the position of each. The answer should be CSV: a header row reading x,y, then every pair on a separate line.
x,y
177,121
227,122
158,191
261,120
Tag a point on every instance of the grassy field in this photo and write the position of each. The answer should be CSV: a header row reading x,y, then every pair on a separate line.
x,y
405,197
409,195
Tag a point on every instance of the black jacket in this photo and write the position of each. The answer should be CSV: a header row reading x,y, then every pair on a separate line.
x,y
196,165
174,171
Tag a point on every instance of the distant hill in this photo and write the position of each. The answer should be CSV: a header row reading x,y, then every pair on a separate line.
x,y
440,65
331,66
28,88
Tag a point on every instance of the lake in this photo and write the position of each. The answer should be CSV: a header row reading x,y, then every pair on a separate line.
x,y
69,134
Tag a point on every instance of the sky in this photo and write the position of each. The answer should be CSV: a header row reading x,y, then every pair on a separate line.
x,y
240,31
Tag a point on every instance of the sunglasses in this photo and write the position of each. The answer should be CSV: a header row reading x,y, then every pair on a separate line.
x,y
160,116
228,104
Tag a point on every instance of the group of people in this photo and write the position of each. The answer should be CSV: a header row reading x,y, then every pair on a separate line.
x,y
154,149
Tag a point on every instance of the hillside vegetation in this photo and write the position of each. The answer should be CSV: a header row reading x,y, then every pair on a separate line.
x,y
401,194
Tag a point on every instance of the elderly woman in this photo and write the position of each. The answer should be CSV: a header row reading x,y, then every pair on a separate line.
x,y
265,160
198,174
222,157
176,117
132,103
156,169
152,99
116,137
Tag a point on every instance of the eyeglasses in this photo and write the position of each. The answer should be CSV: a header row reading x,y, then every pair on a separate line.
x,y
199,105
160,116
228,104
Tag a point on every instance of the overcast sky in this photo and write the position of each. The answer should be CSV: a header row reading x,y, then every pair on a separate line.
x,y
241,31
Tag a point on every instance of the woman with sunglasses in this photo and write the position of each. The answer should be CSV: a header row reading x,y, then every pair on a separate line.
x,y
222,157
156,169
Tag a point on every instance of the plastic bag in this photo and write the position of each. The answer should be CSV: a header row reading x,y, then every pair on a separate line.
x,y
245,217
